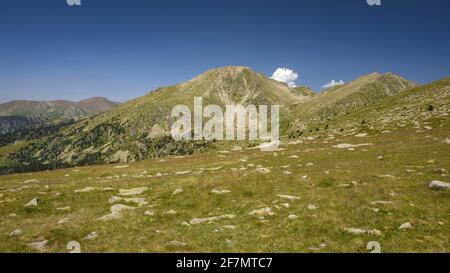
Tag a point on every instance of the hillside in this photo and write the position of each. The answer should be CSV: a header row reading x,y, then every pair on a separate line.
x,y
340,100
21,114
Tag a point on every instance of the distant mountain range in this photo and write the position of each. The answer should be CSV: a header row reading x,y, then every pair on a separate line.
x,y
139,129
21,114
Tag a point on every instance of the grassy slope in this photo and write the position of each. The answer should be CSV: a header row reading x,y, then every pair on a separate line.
x,y
339,100
406,157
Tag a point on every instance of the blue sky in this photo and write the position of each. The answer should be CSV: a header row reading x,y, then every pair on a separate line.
x,y
123,49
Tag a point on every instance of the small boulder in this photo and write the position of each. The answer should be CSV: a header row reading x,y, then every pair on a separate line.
x,y
40,246
16,233
177,191
135,191
32,203
405,226
439,185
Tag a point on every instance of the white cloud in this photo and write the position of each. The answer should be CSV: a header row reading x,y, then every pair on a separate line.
x,y
285,75
333,83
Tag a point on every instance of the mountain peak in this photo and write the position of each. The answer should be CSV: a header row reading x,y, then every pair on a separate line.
x,y
239,85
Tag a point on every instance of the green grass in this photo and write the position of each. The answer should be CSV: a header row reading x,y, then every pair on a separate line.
x,y
406,156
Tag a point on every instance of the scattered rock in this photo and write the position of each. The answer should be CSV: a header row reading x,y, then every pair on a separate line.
x,y
221,191
312,207
231,227
63,209
361,135
121,167
310,164
288,197
182,173
30,181
149,213
439,185
269,146
359,231
119,208
32,203
177,191
177,243
263,170
111,216
116,212
405,226
236,148
92,235
348,146
293,217
185,224
262,212
321,246
87,189
63,221
197,221
170,212
16,233
135,191
381,203
40,246
447,141
138,201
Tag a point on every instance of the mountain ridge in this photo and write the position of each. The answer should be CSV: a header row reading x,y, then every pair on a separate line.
x,y
20,114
